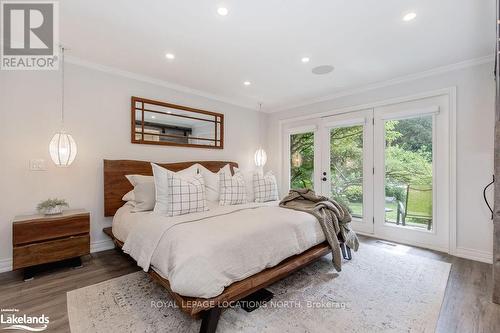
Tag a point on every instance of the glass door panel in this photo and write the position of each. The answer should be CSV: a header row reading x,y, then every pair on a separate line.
x,y
408,172
346,167
302,160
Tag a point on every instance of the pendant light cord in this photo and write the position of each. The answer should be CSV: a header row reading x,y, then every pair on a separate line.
x,y
62,87
260,125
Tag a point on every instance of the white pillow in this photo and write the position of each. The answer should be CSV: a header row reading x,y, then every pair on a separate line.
x,y
161,184
143,192
212,181
248,178
129,196
232,189
185,194
265,187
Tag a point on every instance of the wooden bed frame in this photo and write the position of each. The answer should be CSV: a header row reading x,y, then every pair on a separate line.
x,y
116,185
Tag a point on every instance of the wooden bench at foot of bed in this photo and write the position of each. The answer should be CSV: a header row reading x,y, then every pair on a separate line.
x,y
209,308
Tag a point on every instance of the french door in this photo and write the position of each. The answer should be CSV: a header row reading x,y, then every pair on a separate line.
x,y
389,165
412,166
347,164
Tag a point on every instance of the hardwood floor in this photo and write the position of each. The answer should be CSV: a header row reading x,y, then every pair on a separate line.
x,y
46,294
467,305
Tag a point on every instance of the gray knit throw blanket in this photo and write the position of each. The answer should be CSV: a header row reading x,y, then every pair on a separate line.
x,y
333,217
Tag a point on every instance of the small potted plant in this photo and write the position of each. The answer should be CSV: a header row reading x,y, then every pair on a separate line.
x,y
52,206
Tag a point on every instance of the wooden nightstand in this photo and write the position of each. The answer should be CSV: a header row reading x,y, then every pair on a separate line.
x,y
41,239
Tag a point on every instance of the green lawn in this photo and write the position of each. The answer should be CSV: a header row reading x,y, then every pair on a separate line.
x,y
390,216
356,209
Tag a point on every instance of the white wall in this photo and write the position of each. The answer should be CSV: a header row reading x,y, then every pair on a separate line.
x,y
475,139
98,117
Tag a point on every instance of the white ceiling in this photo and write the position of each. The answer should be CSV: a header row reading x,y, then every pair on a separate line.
x,y
263,41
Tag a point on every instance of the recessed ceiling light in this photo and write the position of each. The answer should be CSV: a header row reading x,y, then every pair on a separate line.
x,y
410,16
305,59
153,117
170,56
222,11
247,83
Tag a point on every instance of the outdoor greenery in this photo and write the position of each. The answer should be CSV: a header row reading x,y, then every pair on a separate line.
x,y
408,161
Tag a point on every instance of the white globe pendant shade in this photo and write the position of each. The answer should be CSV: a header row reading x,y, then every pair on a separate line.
x,y
62,149
260,157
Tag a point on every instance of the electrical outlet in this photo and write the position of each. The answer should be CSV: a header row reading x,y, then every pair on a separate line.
x,y
38,165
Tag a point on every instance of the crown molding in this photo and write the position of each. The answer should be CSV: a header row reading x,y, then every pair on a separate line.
x,y
251,106
148,79
390,82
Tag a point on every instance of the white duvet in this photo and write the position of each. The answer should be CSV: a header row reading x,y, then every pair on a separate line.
x,y
202,253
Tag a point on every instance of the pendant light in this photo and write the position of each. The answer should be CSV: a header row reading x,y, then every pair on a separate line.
x,y
260,156
62,147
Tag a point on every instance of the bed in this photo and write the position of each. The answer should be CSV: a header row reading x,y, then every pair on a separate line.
x,y
210,260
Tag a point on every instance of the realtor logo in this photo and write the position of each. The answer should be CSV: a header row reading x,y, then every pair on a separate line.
x,y
11,319
29,35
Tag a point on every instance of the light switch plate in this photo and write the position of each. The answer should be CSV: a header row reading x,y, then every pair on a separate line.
x,y
38,165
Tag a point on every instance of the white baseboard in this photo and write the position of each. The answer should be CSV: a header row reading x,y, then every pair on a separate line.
x,y
403,242
5,265
462,252
472,254
102,245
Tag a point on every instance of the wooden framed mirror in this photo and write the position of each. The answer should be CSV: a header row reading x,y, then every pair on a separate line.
x,y
161,123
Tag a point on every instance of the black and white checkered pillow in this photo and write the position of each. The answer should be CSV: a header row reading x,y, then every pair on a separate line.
x,y
265,187
232,189
185,195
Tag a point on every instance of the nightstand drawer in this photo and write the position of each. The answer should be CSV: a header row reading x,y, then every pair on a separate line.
x,y
50,251
50,228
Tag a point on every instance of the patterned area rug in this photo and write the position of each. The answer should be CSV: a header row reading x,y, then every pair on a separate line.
x,y
383,289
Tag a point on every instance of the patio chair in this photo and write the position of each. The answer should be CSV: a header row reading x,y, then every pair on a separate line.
x,y
418,205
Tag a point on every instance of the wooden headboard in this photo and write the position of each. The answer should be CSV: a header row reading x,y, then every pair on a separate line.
x,y
116,185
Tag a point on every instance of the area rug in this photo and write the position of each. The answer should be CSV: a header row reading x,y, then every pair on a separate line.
x,y
383,289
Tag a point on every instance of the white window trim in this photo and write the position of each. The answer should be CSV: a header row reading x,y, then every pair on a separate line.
x,y
431,111
345,123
